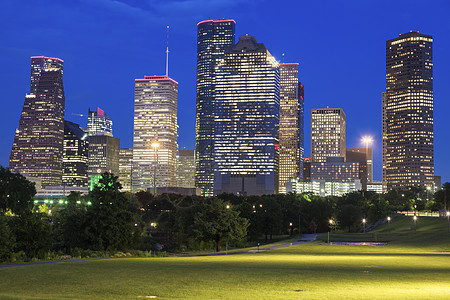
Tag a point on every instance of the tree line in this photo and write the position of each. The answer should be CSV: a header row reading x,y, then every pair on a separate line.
x,y
109,220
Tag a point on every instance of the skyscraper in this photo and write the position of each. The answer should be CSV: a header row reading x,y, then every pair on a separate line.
x,y
291,125
213,37
408,111
103,154
99,123
75,156
155,132
186,169
246,117
125,168
327,133
37,149
363,156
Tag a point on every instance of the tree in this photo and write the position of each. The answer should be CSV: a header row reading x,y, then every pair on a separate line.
x,y
109,223
7,240
216,222
349,215
16,192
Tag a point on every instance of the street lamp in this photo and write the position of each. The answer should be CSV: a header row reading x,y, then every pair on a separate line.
x,y
331,228
155,146
389,223
448,220
290,225
415,220
364,223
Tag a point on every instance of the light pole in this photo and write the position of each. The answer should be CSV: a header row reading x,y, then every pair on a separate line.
x,y
448,220
290,225
331,228
415,220
155,146
364,224
389,223
367,140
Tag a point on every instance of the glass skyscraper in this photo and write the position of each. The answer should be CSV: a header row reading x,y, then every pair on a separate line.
x,y
75,156
155,122
291,125
408,112
246,118
37,149
99,123
213,37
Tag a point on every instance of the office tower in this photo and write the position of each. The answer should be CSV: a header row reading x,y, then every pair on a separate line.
x,y
103,155
37,149
306,169
186,168
291,125
125,168
327,133
75,155
409,111
246,117
213,37
155,132
99,123
335,170
364,157
383,139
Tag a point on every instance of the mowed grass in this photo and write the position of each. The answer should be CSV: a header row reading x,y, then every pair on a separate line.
x,y
414,265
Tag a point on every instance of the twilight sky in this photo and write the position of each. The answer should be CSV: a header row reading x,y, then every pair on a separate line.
x,y
106,44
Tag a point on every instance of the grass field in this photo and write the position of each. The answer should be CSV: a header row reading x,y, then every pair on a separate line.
x,y
414,265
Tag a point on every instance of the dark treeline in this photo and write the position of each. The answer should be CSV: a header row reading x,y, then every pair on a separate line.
x,y
109,220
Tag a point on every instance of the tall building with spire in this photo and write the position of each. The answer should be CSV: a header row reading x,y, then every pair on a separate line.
x,y
213,37
37,149
291,125
408,112
246,118
155,132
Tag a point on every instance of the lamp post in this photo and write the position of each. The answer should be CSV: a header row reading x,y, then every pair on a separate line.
x,y
331,228
367,140
448,220
290,226
389,224
364,224
155,146
415,220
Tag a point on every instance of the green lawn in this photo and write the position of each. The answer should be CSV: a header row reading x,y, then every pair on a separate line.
x,y
414,265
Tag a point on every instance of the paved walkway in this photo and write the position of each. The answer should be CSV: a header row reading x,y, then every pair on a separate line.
x,y
47,262
306,238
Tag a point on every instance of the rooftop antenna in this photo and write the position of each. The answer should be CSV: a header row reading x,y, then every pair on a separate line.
x,y
283,58
167,53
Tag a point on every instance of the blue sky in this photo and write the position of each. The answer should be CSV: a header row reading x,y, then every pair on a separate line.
x,y
106,44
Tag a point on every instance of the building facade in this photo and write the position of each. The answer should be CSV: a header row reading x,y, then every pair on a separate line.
x,y
37,149
364,157
125,168
75,156
246,117
186,169
323,188
103,155
291,125
334,170
327,133
408,110
155,133
99,123
213,37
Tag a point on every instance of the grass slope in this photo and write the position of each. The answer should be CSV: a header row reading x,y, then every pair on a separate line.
x,y
414,265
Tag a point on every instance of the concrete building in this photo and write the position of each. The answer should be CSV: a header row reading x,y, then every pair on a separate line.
x,y
155,132
291,125
125,168
327,133
323,188
364,157
186,169
335,169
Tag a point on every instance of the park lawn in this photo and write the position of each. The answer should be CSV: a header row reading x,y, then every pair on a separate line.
x,y
313,271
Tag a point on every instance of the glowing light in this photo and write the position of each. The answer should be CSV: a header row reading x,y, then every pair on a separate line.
x,y
364,220
155,145
367,140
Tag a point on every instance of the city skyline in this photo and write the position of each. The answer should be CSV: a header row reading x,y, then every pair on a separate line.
x,y
317,74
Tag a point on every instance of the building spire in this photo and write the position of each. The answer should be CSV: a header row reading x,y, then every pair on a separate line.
x,y
167,53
